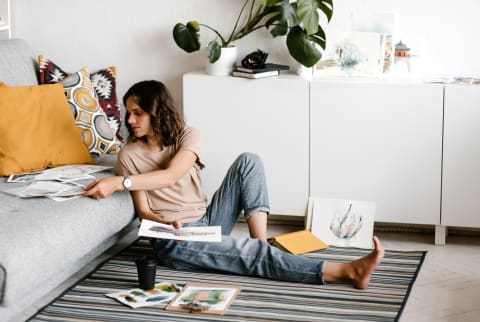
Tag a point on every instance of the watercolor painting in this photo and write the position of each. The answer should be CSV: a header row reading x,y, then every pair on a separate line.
x,y
163,292
204,298
346,223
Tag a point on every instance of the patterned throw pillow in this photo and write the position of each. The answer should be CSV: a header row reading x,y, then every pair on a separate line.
x,y
97,134
103,81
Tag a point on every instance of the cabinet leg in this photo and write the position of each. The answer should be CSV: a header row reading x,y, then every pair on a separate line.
x,y
440,234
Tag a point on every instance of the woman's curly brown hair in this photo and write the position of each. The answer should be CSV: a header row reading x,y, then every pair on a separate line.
x,y
155,99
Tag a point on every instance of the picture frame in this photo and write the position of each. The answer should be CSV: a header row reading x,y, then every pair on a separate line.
x,y
204,298
353,54
343,223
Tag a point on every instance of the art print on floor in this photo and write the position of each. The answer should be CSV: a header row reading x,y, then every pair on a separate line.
x,y
344,223
204,298
163,292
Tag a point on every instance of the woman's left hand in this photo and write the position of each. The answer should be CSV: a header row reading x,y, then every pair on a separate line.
x,y
104,187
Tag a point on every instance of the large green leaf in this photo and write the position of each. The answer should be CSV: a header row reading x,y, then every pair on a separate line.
x,y
319,37
327,7
214,50
301,48
307,11
187,36
283,18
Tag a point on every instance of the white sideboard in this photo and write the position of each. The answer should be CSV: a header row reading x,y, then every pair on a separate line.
x,y
410,147
461,157
267,116
381,142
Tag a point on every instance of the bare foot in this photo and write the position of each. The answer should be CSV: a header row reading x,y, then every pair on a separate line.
x,y
357,272
362,269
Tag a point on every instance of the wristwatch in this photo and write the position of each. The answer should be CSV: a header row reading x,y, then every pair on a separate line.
x,y
127,183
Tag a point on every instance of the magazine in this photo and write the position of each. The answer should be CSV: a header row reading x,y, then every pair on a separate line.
x,y
162,292
150,228
47,189
63,173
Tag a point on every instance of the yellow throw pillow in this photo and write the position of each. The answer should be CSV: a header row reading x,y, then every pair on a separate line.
x,y
37,130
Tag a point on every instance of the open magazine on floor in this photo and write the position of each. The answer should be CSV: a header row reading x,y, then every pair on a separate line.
x,y
150,228
162,292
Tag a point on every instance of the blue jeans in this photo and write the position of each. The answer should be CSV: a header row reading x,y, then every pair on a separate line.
x,y
243,189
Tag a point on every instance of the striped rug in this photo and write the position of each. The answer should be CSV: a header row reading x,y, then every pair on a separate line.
x,y
259,299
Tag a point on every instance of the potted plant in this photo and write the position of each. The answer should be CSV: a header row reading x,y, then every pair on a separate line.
x,y
297,19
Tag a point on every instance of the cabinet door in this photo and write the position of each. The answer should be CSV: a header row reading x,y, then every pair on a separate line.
x,y
461,157
265,116
379,142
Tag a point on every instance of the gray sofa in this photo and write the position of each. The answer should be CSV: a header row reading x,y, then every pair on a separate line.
x,y
44,242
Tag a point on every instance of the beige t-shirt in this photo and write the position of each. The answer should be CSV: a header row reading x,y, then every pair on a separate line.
x,y
184,200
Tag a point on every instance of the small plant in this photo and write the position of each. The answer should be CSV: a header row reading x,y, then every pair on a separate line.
x,y
297,19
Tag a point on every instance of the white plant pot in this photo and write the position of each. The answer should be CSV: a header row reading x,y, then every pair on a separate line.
x,y
305,72
225,64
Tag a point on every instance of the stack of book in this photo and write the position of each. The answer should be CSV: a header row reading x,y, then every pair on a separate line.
x,y
268,70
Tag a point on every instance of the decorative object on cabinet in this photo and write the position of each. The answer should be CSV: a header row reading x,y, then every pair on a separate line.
x,y
353,54
255,59
254,66
298,20
382,22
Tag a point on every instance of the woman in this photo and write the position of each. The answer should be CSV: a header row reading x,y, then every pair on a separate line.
x,y
160,165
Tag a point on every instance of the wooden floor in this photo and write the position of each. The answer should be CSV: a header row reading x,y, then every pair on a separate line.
x,y
447,288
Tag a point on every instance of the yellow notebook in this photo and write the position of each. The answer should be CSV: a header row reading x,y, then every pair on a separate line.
x,y
298,242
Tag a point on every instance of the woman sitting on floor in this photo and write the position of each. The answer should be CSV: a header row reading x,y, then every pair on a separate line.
x,y
161,165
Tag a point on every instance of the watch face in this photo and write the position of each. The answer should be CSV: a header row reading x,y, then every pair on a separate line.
x,y
127,183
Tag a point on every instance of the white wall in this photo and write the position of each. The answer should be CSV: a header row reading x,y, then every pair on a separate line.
x,y
136,36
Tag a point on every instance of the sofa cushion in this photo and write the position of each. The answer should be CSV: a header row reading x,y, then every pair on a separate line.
x,y
89,116
44,242
103,81
33,117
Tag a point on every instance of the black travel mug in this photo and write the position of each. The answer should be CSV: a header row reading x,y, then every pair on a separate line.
x,y
146,269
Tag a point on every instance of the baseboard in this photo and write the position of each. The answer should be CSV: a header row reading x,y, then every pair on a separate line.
x,y
379,226
282,220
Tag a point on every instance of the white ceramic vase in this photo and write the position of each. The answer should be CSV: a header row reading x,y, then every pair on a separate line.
x,y
225,64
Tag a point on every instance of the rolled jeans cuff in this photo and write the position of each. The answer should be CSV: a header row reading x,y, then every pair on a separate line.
x,y
257,209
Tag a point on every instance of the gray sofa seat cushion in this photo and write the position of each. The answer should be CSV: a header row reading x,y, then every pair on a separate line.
x,y
18,63
43,242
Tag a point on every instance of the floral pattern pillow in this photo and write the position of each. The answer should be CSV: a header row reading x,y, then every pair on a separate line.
x,y
103,82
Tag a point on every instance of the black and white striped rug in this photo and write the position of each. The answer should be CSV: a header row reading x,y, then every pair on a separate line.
x,y
259,299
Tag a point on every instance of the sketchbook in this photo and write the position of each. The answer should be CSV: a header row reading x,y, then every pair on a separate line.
x,y
298,242
150,228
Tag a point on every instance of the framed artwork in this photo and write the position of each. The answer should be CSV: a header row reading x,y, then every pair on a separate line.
x,y
345,223
204,298
381,22
352,54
